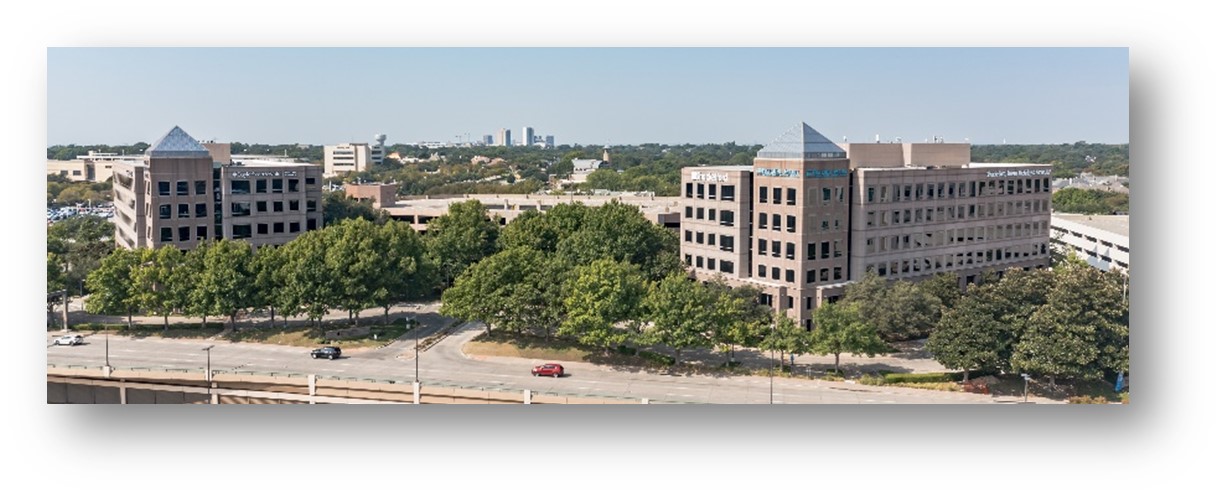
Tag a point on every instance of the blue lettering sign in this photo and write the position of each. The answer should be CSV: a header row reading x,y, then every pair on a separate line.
x,y
825,173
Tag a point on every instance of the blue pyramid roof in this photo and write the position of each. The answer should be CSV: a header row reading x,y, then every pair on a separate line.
x,y
176,144
801,142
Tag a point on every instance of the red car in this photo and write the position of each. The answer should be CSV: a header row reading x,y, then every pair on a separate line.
x,y
554,370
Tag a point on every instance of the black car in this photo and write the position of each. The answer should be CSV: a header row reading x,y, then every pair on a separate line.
x,y
325,353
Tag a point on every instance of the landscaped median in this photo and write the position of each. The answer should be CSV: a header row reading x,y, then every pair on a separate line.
x,y
339,334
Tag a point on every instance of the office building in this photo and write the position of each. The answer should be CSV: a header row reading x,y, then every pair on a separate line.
x,y
810,216
503,138
418,210
177,194
528,136
378,150
344,158
487,140
1101,240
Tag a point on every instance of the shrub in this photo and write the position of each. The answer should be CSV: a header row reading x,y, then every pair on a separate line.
x,y
921,377
1087,399
871,379
656,358
1125,397
833,376
624,350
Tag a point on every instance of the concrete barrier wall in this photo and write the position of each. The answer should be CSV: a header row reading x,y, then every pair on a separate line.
x,y
91,386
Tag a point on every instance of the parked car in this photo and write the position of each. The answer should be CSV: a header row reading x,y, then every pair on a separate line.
x,y
70,339
554,370
332,353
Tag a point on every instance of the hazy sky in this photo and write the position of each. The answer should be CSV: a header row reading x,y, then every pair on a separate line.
x,y
587,95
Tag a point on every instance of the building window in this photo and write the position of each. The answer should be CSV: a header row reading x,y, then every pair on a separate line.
x,y
837,273
790,275
261,228
182,188
184,211
826,194
790,196
726,243
240,187
776,273
688,189
310,181
278,206
824,249
726,218
293,185
824,275
688,259
761,247
240,209
790,223
201,210
163,188
701,213
278,185
261,206
763,195
201,232
811,251
688,236
811,278
727,193
278,228
163,211
201,188
167,234
295,227
760,271
709,264
777,222
871,194
777,248
242,231
293,205
700,191
688,212
184,233
261,186
726,266
701,238
311,224
763,222
310,206
790,251
777,195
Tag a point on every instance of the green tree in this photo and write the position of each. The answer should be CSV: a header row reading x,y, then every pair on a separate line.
x,y
1081,331
309,287
680,313
356,263
738,319
944,286
598,297
161,285
81,243
268,276
494,290
838,328
226,282
899,310
461,237
619,231
970,335
407,272
786,337
112,284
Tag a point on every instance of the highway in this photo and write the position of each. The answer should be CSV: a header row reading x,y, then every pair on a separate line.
x,y
446,364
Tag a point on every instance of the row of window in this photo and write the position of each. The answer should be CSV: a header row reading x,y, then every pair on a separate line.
x,y
901,242
952,261
725,243
261,185
181,188
895,193
824,194
828,249
725,266
939,214
243,209
1103,242
724,217
826,274
184,233
709,191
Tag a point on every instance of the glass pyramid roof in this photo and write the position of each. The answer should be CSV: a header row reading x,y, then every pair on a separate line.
x,y
801,142
176,144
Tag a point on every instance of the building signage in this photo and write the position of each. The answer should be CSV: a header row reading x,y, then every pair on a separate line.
x,y
249,173
709,177
1017,173
779,172
825,173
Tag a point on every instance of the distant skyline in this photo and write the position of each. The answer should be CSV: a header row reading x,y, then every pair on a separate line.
x,y
120,96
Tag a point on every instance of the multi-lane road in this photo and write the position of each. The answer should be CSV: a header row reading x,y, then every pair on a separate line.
x,y
446,363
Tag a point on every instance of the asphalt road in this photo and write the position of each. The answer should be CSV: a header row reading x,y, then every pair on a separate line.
x,y
446,364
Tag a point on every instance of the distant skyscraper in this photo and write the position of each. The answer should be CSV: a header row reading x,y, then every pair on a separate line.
x,y
528,136
378,150
488,140
548,141
503,137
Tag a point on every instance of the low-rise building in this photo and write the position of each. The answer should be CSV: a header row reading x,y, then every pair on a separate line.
x,y
419,210
1102,240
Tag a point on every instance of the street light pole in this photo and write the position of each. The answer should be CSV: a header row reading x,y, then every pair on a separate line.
x,y
771,367
1026,380
208,373
106,335
416,356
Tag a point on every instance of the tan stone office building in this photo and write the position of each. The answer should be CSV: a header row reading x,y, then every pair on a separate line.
x,y
810,216
178,194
